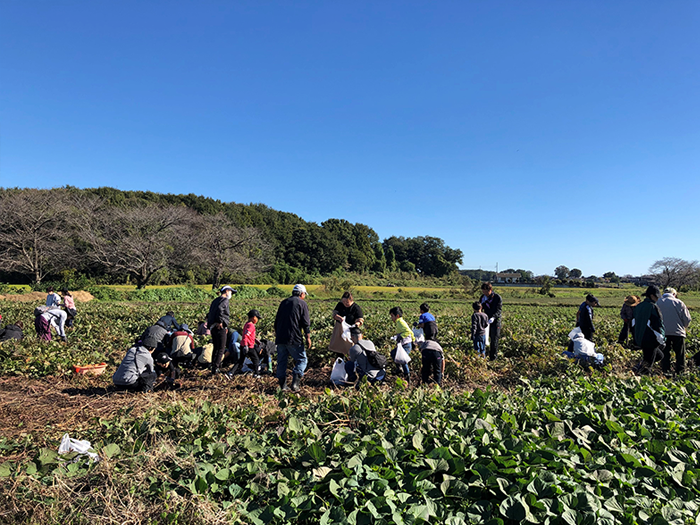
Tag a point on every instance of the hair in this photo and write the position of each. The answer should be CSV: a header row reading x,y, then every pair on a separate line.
x,y
296,293
65,291
397,311
347,295
171,313
476,305
19,324
49,289
424,307
487,286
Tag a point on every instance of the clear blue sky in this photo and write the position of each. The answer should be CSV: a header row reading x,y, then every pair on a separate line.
x,y
528,134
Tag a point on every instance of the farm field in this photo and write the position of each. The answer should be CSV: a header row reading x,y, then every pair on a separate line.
x,y
530,438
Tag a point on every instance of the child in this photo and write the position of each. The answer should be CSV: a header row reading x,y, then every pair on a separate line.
x,y
52,298
248,348
166,367
404,336
426,321
69,305
480,323
433,359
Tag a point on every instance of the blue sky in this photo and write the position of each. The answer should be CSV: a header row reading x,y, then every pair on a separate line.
x,y
527,134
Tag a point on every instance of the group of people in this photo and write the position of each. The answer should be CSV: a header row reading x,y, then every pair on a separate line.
x,y
657,324
58,313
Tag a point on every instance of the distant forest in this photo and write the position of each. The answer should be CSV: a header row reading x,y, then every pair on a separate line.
x,y
105,235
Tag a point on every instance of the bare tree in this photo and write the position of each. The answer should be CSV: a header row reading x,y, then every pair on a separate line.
x,y
34,231
138,240
672,271
224,247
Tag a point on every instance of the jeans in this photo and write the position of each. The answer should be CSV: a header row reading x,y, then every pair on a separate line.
x,y
297,353
432,362
675,343
480,345
403,368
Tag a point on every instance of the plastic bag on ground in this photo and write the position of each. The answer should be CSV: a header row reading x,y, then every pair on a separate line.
x,y
420,335
401,357
338,375
69,444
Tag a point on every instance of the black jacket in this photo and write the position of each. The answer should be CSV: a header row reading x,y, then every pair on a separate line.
x,y
292,317
491,306
219,312
11,331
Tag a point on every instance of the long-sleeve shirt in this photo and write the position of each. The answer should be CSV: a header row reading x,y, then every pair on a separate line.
x,y
53,299
585,318
480,323
168,322
292,318
403,331
491,305
219,312
675,315
135,362
248,335
68,302
647,313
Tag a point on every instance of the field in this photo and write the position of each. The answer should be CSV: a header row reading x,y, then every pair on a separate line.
x,y
530,438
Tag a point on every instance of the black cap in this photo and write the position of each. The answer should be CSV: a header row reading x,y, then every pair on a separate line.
x,y
355,330
592,299
254,313
162,358
652,290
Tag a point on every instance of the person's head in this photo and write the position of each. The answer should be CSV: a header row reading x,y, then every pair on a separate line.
x,y
170,314
355,334
299,290
487,288
185,327
395,313
347,299
150,342
227,291
19,324
592,300
671,291
631,300
253,316
50,290
65,292
424,308
162,360
476,305
652,293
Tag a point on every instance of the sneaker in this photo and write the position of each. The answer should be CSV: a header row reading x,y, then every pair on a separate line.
x,y
228,375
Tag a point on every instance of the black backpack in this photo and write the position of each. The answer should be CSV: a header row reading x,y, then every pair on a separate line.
x,y
374,358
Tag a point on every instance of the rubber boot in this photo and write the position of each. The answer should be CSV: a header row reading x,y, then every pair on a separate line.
x,y
296,383
283,383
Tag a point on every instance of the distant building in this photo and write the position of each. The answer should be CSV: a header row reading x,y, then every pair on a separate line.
x,y
507,278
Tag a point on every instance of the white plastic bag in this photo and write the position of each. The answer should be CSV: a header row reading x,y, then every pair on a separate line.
x,y
346,332
584,347
74,445
419,334
659,338
576,332
401,357
488,337
338,375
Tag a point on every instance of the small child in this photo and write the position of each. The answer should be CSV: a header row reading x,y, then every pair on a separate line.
x,y
433,361
404,336
53,300
426,321
69,305
166,367
248,348
480,323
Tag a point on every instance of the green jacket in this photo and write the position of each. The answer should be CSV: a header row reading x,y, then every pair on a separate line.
x,y
647,312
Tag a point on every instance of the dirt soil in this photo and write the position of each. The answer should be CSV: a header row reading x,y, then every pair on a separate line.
x,y
31,297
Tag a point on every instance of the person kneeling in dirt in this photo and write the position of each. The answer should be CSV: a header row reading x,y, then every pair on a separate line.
x,y
182,346
156,333
433,359
165,366
136,371
12,331
366,361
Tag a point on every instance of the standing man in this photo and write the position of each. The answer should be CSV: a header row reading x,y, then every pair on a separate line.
x,y
649,331
676,320
491,304
292,318
584,316
218,321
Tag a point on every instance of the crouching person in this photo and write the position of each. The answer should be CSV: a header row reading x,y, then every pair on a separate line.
x,y
165,366
136,371
368,363
433,360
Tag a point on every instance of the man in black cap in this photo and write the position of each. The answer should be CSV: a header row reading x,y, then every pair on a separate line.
x,y
649,333
584,316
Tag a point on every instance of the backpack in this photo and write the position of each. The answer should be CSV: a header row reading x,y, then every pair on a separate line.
x,y
374,358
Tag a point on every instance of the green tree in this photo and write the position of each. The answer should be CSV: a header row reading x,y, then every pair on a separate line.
x,y
575,273
562,272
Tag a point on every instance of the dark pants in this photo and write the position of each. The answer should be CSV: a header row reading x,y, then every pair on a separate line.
x,y
144,383
494,334
677,344
624,333
218,338
652,355
432,363
254,357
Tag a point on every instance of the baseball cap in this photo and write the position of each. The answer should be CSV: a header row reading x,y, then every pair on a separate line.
x,y
592,299
163,358
670,290
300,288
254,313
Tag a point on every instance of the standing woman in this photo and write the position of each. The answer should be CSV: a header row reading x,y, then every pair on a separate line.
x,y
352,312
69,305
627,314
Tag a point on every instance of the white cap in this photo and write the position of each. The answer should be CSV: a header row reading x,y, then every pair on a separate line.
x,y
300,288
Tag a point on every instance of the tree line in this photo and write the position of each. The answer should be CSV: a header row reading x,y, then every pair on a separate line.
x,y
137,236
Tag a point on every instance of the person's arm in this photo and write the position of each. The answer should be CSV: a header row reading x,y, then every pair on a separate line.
x,y
685,317
305,322
475,326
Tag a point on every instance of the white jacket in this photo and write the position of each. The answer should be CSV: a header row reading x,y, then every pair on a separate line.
x,y
675,314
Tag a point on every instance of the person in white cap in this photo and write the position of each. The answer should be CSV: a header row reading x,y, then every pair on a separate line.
x,y
676,320
218,320
291,320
